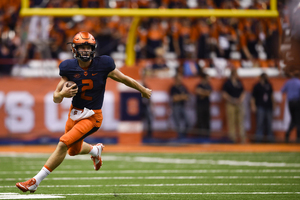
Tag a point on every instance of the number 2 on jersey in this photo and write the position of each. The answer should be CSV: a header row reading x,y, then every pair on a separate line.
x,y
86,87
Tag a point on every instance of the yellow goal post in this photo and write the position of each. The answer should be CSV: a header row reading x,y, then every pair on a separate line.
x,y
138,13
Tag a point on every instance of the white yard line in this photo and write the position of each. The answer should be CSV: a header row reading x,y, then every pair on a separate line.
x,y
32,196
56,196
175,193
163,185
157,178
144,159
204,171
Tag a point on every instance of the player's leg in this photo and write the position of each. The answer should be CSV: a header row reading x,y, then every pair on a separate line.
x,y
57,156
95,152
71,142
53,161
84,128
86,148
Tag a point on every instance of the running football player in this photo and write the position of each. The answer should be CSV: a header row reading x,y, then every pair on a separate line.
x,y
89,72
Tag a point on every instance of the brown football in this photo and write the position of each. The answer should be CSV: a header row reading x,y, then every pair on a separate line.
x,y
69,83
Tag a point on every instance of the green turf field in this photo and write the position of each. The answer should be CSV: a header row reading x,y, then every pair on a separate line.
x,y
158,176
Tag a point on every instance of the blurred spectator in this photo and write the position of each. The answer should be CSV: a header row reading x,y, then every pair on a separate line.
x,y
9,12
159,67
6,63
291,55
147,115
273,38
201,35
108,38
179,96
38,34
191,66
38,31
261,29
248,40
205,37
227,37
208,4
203,91
262,104
182,37
172,34
292,90
233,93
174,4
93,3
214,50
140,46
156,37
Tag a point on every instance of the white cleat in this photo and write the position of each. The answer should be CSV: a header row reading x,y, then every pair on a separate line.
x,y
97,159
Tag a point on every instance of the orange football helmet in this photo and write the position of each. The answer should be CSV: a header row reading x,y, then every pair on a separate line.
x,y
80,39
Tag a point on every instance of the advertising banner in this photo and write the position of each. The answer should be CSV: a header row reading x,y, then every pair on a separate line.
x,y
27,110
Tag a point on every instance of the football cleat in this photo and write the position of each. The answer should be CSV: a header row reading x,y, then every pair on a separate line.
x,y
29,185
97,159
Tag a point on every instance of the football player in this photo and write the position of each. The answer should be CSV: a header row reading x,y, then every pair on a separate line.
x,y
89,73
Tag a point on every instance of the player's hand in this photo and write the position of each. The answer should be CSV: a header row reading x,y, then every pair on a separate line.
x,y
147,93
69,92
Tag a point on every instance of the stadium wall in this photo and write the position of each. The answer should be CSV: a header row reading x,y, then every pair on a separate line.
x,y
27,112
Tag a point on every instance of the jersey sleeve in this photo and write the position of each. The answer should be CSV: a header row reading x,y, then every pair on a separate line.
x,y
110,64
63,68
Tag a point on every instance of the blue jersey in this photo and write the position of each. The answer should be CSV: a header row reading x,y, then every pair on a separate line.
x,y
91,82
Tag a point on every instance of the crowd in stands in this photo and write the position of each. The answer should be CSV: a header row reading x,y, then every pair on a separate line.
x,y
45,37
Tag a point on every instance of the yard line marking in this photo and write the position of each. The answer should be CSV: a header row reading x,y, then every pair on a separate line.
x,y
212,162
32,196
42,196
164,185
158,178
157,171
177,193
144,159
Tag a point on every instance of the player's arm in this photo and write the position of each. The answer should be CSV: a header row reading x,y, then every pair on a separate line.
x,y
130,82
62,91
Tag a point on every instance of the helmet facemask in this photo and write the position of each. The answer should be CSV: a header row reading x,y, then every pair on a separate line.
x,y
82,55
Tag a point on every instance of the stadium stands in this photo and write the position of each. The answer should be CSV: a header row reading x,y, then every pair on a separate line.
x,y
244,43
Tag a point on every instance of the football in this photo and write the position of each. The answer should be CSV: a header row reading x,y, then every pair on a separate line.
x,y
69,83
